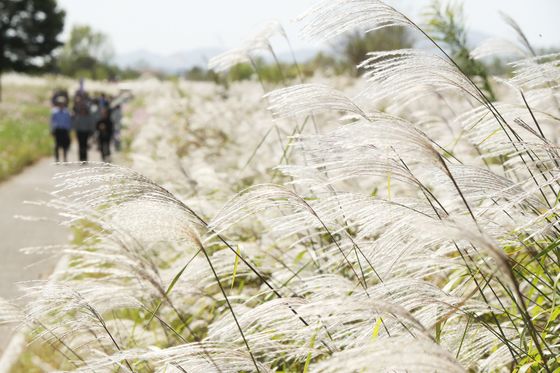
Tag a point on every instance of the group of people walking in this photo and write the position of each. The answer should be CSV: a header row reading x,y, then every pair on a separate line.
x,y
90,117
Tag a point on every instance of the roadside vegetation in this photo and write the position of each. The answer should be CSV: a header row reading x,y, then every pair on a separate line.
x,y
24,127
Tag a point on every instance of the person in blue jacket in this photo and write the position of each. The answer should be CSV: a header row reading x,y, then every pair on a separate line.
x,y
61,123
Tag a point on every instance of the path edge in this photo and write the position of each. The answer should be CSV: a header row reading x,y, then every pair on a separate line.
x,y
17,343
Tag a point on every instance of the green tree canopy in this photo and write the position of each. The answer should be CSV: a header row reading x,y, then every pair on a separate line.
x,y
29,32
446,24
87,54
355,46
86,42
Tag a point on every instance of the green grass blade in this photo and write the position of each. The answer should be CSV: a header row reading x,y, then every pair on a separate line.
x,y
308,359
376,328
171,285
235,267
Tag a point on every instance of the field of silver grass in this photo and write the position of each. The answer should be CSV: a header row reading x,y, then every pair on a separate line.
x,y
398,222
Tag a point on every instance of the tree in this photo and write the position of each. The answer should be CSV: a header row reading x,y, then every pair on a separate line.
x,y
355,46
447,25
86,42
87,54
29,32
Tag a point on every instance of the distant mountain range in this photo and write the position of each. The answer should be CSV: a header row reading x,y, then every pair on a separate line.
x,y
181,61
173,63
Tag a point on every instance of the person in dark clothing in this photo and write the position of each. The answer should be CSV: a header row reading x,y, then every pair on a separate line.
x,y
103,101
60,128
84,125
104,129
116,118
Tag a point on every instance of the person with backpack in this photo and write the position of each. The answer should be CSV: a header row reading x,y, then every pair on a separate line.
x,y
60,128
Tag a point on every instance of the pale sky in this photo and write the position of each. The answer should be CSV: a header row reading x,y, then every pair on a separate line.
x,y
168,26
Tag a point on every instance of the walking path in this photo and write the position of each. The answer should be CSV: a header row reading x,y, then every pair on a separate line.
x,y
16,234
33,184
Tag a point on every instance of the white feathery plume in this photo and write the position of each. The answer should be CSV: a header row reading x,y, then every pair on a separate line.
x,y
519,33
227,60
394,355
10,313
305,99
258,42
496,46
407,74
537,72
330,18
382,146
117,191
189,357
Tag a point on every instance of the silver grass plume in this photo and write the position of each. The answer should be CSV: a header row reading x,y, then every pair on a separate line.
x,y
329,19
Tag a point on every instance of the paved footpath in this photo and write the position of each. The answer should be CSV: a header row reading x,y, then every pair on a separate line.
x,y
33,184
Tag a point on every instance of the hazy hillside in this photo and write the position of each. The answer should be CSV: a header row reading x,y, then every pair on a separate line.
x,y
184,60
